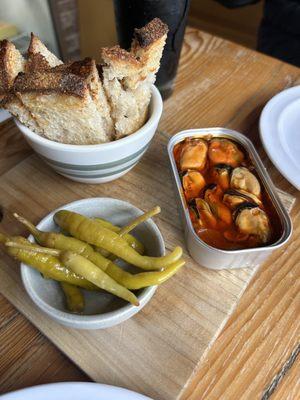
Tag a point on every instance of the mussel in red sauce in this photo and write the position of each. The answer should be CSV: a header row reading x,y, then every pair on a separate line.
x,y
242,178
233,198
224,151
220,174
227,203
206,216
253,221
193,155
193,182
213,196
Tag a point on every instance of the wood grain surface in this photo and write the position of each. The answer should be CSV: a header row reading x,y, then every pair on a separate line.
x,y
218,84
13,147
170,335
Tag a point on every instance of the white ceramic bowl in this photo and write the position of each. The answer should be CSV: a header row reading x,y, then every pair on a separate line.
x,y
102,309
97,163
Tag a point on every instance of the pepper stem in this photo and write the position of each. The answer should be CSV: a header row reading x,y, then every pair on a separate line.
x,y
139,220
33,248
32,229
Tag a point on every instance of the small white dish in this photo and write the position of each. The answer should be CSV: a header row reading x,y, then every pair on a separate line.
x,y
280,133
73,391
102,309
97,163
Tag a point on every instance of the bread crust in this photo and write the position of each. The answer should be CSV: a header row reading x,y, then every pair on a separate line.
x,y
39,57
150,33
11,63
50,81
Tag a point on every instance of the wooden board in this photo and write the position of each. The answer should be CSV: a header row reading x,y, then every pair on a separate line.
x,y
166,340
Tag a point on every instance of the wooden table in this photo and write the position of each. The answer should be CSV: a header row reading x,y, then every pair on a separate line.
x,y
219,84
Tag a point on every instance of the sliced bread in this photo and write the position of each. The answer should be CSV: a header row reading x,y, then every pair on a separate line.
x,y
11,63
62,105
117,66
127,76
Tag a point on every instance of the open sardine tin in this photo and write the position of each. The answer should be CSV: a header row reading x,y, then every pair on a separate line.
x,y
203,253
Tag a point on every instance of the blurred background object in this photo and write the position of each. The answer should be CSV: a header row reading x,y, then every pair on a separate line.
x,y
279,33
7,30
270,26
239,25
65,20
97,26
30,16
54,21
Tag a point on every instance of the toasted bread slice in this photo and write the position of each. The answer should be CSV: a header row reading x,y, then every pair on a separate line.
x,y
87,69
127,76
147,46
62,105
16,107
11,63
39,57
65,100
118,65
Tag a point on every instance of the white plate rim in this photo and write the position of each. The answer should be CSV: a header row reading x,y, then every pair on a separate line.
x,y
34,392
276,154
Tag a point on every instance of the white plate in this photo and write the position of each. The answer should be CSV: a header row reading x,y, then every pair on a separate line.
x,y
280,133
73,391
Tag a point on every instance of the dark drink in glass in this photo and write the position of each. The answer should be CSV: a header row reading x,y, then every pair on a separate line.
x,y
132,14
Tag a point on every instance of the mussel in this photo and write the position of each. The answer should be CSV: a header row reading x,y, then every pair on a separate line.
x,y
224,151
193,182
233,198
243,179
221,175
207,219
212,195
193,155
252,220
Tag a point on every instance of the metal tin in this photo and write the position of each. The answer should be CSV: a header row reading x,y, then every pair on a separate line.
x,y
200,251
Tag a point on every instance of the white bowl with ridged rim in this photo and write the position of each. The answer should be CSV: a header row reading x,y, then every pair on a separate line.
x,y
102,309
97,163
